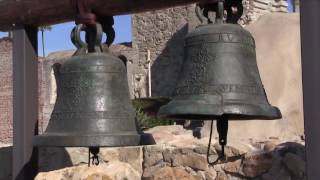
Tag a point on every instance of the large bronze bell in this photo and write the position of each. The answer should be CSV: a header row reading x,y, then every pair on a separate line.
x,y
219,77
93,108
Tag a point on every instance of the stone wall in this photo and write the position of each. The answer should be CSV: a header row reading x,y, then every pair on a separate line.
x,y
5,91
253,9
178,155
162,33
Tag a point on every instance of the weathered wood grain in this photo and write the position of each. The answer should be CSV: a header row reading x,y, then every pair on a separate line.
x,y
46,12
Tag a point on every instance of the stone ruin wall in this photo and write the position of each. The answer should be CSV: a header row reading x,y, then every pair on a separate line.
x,y
253,9
162,33
5,91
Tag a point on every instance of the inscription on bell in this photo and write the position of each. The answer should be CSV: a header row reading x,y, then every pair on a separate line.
x,y
92,115
80,81
220,38
218,89
197,68
228,38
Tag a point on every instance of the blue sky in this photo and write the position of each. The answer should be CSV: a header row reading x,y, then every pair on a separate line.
x,y
59,37
290,6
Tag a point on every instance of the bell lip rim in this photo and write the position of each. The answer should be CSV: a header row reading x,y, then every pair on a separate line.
x,y
141,139
215,118
274,113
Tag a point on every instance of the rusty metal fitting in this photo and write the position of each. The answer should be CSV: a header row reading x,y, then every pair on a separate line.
x,y
84,12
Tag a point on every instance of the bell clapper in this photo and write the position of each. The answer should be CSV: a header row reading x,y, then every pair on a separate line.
x,y
94,159
222,128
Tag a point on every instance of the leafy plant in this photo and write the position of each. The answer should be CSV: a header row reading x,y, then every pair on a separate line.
x,y
146,122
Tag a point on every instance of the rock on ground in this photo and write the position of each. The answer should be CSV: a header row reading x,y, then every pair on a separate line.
x,y
171,173
111,171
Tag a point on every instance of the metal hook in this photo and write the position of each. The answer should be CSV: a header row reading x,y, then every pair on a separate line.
x,y
107,23
93,38
219,7
233,17
202,12
220,11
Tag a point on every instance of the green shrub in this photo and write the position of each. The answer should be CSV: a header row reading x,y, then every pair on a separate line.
x,y
146,122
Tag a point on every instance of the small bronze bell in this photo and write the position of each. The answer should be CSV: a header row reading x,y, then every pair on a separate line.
x,y
220,78
93,108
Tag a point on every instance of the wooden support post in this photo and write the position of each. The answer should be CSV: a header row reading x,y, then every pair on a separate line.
x,y
25,102
310,43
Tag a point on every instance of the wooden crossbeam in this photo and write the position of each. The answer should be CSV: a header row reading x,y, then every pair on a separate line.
x,y
47,12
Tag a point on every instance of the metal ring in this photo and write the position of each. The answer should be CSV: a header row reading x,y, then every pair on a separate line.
x,y
200,15
107,23
220,11
76,37
97,31
202,11
234,17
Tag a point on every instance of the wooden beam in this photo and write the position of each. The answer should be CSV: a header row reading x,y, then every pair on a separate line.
x,y
47,12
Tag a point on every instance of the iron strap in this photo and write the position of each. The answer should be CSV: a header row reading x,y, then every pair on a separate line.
x,y
84,12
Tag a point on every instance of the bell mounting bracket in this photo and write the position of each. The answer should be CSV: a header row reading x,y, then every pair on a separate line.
x,y
232,8
93,25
